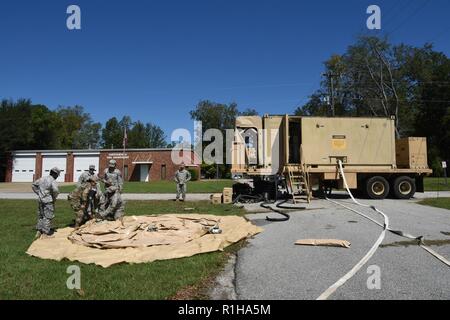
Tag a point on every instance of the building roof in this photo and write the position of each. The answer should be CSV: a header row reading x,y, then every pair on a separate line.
x,y
98,150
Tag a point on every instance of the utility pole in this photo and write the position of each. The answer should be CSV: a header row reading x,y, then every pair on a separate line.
x,y
330,77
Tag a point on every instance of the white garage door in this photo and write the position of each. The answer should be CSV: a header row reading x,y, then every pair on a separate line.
x,y
50,161
23,168
81,163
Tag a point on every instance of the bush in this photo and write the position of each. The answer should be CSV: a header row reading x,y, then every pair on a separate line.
x,y
194,174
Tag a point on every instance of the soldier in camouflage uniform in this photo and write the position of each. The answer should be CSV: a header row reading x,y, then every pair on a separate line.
x,y
86,175
113,206
46,189
182,176
113,176
86,200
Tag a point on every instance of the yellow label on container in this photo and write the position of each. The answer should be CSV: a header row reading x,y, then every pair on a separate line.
x,y
339,144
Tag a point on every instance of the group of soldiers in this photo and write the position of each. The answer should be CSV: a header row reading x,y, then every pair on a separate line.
x,y
87,200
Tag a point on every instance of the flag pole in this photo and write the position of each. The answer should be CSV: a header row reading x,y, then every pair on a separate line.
x,y
125,138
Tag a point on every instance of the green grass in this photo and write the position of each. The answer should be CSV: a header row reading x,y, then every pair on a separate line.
x,y
443,203
203,186
214,186
434,184
25,277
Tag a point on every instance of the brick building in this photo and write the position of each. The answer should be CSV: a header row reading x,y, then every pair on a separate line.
x,y
135,164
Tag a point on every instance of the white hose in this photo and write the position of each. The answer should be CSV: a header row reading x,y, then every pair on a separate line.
x,y
369,254
327,293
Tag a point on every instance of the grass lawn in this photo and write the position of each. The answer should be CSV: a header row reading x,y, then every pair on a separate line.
x,y
214,186
25,277
443,203
434,184
203,186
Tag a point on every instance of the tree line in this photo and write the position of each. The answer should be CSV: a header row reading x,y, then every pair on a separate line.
x,y
27,126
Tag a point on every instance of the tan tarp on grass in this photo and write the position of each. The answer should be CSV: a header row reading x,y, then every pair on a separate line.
x,y
108,243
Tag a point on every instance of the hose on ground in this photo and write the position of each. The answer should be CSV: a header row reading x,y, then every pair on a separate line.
x,y
385,227
244,198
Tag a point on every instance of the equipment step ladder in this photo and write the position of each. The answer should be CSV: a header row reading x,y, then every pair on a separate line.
x,y
298,178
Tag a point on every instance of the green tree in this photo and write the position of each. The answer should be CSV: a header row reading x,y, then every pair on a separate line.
x,y
156,136
78,131
249,112
138,136
112,134
216,116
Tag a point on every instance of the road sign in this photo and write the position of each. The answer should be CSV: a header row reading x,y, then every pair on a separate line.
x,y
444,164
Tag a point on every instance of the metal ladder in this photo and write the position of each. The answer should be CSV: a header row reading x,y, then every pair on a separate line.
x,y
299,184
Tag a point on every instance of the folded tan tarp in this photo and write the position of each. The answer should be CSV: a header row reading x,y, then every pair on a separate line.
x,y
324,243
176,236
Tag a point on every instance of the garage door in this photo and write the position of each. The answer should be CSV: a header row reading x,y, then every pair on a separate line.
x,y
50,161
81,163
23,168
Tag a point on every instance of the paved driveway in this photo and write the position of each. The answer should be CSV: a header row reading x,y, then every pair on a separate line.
x,y
272,267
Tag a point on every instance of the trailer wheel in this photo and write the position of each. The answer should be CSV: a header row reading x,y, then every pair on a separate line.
x,y
404,187
377,188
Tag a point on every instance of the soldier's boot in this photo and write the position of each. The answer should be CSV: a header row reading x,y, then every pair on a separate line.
x,y
78,223
47,236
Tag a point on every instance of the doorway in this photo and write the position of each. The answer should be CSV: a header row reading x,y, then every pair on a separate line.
x,y
144,170
295,141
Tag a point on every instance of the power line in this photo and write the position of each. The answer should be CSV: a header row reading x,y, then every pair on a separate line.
x,y
414,13
393,12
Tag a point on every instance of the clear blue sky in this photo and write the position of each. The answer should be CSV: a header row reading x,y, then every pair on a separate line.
x,y
154,60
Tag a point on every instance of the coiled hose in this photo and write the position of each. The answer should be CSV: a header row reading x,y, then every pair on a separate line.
x,y
242,198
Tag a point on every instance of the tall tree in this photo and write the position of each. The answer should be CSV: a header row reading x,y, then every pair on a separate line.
x,y
78,131
218,116
112,134
156,136
215,115
138,136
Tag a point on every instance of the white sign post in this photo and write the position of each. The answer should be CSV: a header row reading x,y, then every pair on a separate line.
x,y
444,166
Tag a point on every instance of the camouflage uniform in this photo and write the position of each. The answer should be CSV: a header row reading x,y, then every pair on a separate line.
x,y
113,206
47,190
113,178
85,200
86,175
182,176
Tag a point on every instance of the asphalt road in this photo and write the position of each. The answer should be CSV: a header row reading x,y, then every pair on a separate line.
x,y
272,267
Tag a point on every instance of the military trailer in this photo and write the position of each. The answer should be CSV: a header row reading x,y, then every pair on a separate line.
x,y
304,153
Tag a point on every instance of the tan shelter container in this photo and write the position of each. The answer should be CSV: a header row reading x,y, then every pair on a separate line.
x,y
412,153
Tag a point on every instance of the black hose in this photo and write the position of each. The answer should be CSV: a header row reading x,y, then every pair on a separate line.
x,y
286,217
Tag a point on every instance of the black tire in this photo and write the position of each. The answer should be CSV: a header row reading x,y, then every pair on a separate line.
x,y
377,188
404,187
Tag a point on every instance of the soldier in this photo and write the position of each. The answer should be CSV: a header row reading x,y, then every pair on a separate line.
x,y
113,175
182,176
113,205
86,175
85,200
46,189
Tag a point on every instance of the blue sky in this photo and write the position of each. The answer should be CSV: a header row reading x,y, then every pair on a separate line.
x,y
154,60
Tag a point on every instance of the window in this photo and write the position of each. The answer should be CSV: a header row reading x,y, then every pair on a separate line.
x,y
163,172
125,172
